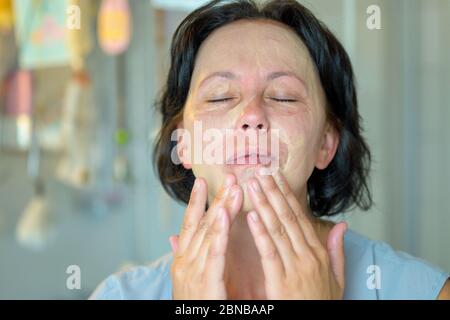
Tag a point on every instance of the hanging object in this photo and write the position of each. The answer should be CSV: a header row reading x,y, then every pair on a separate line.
x,y
41,33
79,36
78,128
122,172
18,93
6,16
34,227
36,224
17,108
121,163
114,26
8,54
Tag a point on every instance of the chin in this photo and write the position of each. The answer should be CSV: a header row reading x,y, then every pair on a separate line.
x,y
243,174
247,203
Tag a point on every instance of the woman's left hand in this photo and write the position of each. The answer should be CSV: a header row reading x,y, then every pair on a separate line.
x,y
295,263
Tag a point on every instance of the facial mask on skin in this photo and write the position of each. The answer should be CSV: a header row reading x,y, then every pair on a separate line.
x,y
294,146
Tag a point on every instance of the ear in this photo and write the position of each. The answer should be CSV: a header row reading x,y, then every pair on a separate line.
x,y
329,144
184,146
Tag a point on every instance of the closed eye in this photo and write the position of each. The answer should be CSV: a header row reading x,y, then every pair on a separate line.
x,y
228,99
283,100
220,100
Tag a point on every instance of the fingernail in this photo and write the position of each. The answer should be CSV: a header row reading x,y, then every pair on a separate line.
x,y
253,216
234,192
228,181
255,186
172,241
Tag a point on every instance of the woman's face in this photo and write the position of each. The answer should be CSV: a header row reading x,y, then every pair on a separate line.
x,y
256,78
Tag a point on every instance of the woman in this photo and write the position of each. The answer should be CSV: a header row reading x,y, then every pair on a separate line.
x,y
253,229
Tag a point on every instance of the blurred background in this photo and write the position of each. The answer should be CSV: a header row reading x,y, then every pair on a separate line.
x,y
78,79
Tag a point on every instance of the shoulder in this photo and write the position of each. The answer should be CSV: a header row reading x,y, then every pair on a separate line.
x,y
151,282
374,270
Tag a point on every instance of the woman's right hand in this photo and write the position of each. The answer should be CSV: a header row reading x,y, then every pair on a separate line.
x,y
198,266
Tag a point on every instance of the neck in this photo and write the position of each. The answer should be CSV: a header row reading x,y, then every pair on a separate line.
x,y
244,276
243,271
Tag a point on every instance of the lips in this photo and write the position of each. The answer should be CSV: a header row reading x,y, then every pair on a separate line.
x,y
249,157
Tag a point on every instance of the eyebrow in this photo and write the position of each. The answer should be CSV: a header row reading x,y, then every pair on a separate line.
x,y
270,76
221,74
278,74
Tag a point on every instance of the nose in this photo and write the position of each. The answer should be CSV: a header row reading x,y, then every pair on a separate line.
x,y
253,116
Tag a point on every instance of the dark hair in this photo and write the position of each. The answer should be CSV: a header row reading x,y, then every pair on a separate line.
x,y
335,189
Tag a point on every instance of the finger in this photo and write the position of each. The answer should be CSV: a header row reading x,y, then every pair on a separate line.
x,y
174,243
271,261
231,199
213,262
273,225
227,197
335,246
193,214
303,220
231,205
284,212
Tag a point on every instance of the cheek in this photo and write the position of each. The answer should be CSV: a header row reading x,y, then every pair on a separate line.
x,y
212,173
299,137
203,130
213,176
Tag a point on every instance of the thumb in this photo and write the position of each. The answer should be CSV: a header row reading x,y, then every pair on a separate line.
x,y
174,243
335,246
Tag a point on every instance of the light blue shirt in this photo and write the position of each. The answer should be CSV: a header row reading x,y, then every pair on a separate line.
x,y
373,270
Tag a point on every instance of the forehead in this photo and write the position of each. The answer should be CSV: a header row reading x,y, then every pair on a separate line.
x,y
253,45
